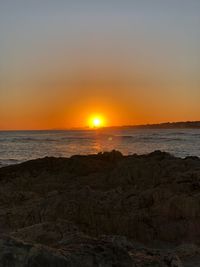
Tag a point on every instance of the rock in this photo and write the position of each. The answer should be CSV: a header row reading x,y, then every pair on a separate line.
x,y
46,233
187,250
15,253
61,202
173,261
112,156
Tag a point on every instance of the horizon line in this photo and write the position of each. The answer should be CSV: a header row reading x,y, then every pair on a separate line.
x,y
105,127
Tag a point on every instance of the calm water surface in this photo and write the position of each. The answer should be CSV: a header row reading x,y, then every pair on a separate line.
x,y
20,146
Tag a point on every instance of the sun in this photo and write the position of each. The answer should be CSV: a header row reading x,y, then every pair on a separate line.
x,y
96,121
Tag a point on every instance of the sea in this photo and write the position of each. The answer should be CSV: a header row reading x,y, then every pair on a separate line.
x,y
20,146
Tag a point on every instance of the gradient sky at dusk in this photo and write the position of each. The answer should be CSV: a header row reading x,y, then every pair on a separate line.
x,y
133,62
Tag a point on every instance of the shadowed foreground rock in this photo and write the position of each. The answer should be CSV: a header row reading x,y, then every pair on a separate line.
x,y
95,211
89,254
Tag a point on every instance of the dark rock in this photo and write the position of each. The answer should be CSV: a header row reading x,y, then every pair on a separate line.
x,y
55,202
15,253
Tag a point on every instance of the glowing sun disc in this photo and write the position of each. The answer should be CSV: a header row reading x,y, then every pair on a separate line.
x,y
96,122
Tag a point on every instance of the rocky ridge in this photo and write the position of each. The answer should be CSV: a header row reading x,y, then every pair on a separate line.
x,y
101,210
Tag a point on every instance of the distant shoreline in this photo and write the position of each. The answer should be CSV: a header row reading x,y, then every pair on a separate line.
x,y
164,125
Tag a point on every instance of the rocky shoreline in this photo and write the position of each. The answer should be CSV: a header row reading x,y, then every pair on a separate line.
x,y
101,210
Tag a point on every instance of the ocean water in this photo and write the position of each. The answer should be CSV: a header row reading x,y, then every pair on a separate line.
x,y
19,146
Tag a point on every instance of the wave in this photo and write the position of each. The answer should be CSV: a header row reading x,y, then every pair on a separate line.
x,y
177,133
125,136
134,138
93,137
195,134
71,138
30,139
161,138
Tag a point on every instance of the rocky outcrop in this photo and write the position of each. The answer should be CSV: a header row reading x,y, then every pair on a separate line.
x,y
76,204
83,251
91,253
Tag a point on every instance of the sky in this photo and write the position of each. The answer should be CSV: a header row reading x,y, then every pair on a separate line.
x,y
131,62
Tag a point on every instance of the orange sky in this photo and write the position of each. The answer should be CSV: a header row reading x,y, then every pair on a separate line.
x,y
132,63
